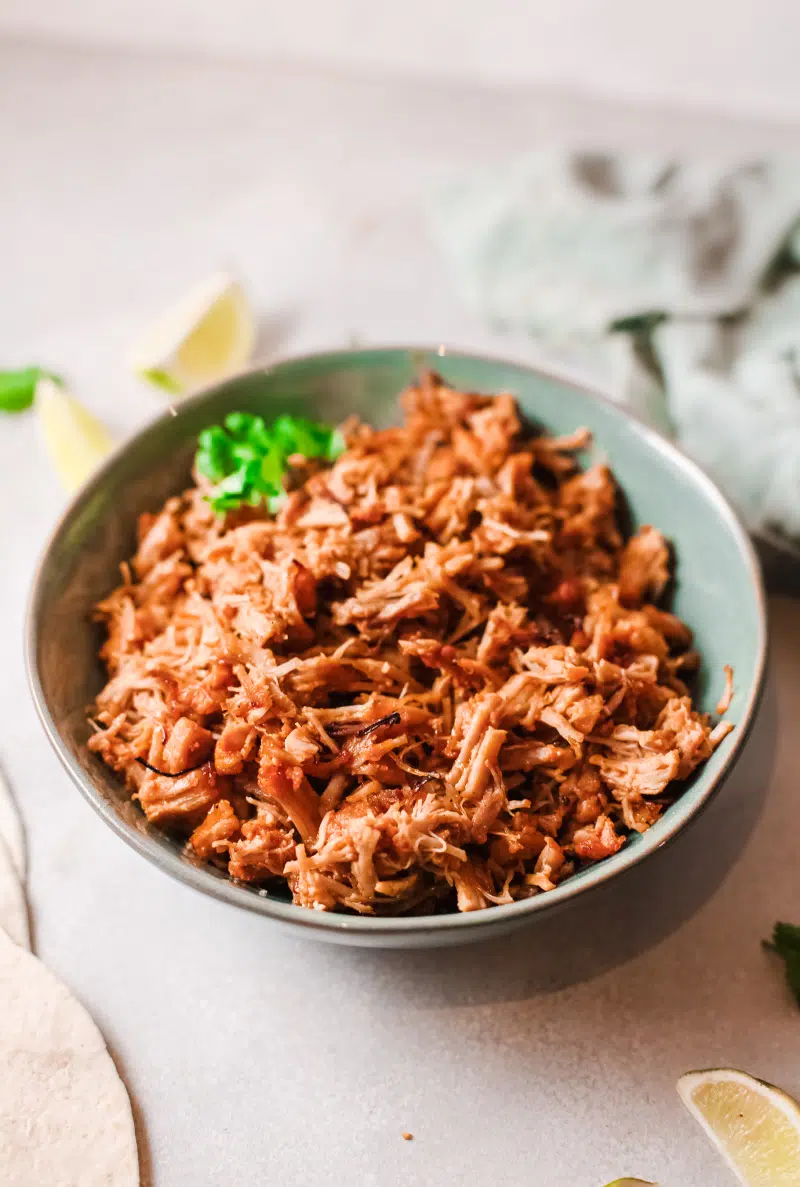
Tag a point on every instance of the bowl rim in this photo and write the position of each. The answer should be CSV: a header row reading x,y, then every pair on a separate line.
x,y
331,925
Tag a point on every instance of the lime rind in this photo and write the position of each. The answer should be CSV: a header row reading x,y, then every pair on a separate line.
x,y
161,379
632,1182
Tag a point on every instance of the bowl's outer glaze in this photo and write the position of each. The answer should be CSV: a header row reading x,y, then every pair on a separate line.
x,y
718,592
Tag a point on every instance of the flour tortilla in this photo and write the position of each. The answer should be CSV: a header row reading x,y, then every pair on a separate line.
x,y
65,1117
11,830
13,910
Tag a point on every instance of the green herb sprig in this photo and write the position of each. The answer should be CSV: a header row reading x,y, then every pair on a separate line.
x,y
786,943
17,388
246,459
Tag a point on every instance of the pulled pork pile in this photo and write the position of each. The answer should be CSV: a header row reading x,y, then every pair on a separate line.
x,y
438,678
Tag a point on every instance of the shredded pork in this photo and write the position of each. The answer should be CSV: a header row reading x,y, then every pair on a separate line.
x,y
437,679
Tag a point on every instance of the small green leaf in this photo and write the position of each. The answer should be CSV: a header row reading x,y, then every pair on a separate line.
x,y
283,430
306,437
336,446
271,474
223,503
637,323
786,942
239,424
235,483
213,458
213,439
18,388
259,436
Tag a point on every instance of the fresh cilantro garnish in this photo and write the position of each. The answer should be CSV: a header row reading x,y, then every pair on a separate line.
x,y
17,388
786,942
246,459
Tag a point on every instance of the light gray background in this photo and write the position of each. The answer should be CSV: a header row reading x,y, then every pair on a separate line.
x,y
725,55
547,1060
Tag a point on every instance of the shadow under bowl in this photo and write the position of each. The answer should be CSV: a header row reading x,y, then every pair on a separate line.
x,y
718,592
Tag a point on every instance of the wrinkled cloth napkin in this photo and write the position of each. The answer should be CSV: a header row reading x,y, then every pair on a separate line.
x,y
675,285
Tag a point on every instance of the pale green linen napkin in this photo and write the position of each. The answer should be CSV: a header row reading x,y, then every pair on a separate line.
x,y
675,284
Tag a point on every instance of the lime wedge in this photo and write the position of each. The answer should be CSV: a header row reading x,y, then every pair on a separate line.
x,y
631,1183
76,441
755,1126
207,335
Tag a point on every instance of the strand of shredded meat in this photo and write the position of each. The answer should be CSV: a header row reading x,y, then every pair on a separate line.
x,y
438,678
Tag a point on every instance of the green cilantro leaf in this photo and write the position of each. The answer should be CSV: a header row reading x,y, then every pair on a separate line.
x,y
336,446
786,942
17,388
214,455
246,460
295,435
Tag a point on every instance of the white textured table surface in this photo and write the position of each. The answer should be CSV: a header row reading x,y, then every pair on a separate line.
x,y
547,1060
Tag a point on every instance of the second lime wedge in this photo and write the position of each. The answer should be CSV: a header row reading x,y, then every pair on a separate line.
x,y
755,1126
75,439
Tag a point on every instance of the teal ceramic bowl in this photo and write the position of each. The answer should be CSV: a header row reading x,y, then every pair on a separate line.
x,y
718,591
